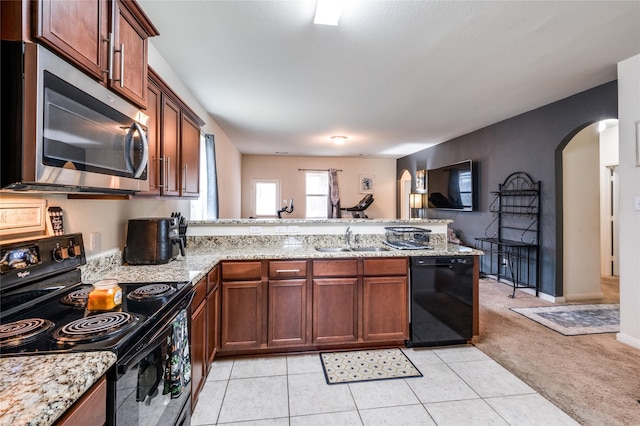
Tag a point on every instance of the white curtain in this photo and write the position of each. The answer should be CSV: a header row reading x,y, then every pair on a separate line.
x,y
334,195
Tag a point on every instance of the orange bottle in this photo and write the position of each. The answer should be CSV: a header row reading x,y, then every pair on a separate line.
x,y
105,296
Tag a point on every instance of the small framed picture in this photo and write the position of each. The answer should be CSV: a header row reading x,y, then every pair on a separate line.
x,y
367,184
420,180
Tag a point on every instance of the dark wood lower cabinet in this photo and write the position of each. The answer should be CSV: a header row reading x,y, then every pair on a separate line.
x,y
198,339
384,308
335,310
287,312
274,305
242,315
90,409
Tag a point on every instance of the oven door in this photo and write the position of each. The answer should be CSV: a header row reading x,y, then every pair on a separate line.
x,y
143,394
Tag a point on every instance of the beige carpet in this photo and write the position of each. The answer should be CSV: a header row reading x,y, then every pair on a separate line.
x,y
593,378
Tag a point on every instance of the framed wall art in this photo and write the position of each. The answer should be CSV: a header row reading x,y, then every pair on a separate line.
x,y
367,184
421,180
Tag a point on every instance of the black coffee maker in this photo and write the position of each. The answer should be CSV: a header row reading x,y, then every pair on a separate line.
x,y
153,241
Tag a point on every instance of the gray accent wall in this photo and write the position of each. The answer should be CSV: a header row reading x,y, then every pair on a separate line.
x,y
531,142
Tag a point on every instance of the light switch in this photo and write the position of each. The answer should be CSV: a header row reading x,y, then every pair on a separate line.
x,y
636,203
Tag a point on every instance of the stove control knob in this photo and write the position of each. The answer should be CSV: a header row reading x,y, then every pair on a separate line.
x,y
73,249
60,253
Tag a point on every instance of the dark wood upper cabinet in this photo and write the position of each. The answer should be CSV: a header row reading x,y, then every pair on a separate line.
x,y
189,157
96,35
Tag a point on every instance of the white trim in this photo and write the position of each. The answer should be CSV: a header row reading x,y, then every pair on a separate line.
x,y
629,340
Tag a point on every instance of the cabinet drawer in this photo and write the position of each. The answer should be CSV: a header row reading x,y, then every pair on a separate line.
x,y
335,268
213,279
381,267
288,268
235,271
200,291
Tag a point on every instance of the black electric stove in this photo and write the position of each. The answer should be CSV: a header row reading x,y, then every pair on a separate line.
x,y
43,309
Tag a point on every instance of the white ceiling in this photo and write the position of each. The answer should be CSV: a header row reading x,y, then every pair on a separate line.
x,y
394,76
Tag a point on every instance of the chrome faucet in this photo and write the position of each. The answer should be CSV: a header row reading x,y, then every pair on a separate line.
x,y
347,236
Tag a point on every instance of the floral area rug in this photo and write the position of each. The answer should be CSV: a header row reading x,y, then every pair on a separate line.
x,y
361,366
573,320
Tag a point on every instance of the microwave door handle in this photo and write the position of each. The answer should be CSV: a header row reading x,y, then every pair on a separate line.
x,y
145,150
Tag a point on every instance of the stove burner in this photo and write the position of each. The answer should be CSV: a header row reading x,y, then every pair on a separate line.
x,y
77,298
23,331
150,292
95,327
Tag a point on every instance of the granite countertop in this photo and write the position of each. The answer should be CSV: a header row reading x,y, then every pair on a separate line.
x,y
203,256
37,389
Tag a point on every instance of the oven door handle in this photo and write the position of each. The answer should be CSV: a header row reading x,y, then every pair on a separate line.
x,y
144,349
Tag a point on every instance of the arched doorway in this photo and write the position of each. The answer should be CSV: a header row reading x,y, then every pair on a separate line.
x,y
588,240
404,189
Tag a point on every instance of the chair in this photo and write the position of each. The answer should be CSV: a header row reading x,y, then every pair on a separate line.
x,y
357,211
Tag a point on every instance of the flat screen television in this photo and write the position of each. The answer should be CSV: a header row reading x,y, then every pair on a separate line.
x,y
451,187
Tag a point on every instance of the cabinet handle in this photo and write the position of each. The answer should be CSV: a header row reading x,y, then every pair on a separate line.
x,y
167,166
110,64
159,176
121,51
283,271
184,186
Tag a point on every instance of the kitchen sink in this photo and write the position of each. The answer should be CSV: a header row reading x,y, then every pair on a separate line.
x,y
333,249
347,249
370,249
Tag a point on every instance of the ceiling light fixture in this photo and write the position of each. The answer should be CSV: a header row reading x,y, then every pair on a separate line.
x,y
339,140
328,12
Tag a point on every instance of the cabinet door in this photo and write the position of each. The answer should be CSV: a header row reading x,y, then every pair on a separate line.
x,y
154,106
213,324
287,312
189,158
385,315
170,138
198,346
129,57
335,310
242,315
77,30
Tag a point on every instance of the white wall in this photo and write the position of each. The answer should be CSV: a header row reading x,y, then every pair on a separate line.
x,y
229,166
292,181
581,216
609,159
629,174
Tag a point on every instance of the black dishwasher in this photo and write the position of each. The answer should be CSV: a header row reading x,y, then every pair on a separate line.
x,y
441,300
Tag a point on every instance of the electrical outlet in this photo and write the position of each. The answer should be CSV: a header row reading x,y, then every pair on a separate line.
x,y
95,242
293,229
281,229
255,229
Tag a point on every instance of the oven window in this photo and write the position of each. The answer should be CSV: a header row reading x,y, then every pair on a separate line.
x,y
139,392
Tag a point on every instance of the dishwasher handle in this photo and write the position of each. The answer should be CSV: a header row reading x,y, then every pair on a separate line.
x,y
427,261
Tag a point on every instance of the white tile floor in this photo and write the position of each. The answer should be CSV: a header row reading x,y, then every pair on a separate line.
x,y
461,386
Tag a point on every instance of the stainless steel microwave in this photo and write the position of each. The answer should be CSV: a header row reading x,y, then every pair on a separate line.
x,y
63,131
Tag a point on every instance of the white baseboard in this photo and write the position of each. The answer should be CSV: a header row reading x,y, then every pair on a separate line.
x,y
531,291
585,296
628,340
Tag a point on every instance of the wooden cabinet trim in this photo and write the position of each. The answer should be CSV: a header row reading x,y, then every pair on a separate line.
x,y
335,268
244,271
287,268
90,409
382,267
168,91
200,291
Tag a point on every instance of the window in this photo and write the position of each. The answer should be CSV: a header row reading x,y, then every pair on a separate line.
x,y
266,193
317,191
206,206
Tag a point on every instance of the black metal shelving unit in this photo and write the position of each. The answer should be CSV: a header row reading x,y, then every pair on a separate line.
x,y
511,240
